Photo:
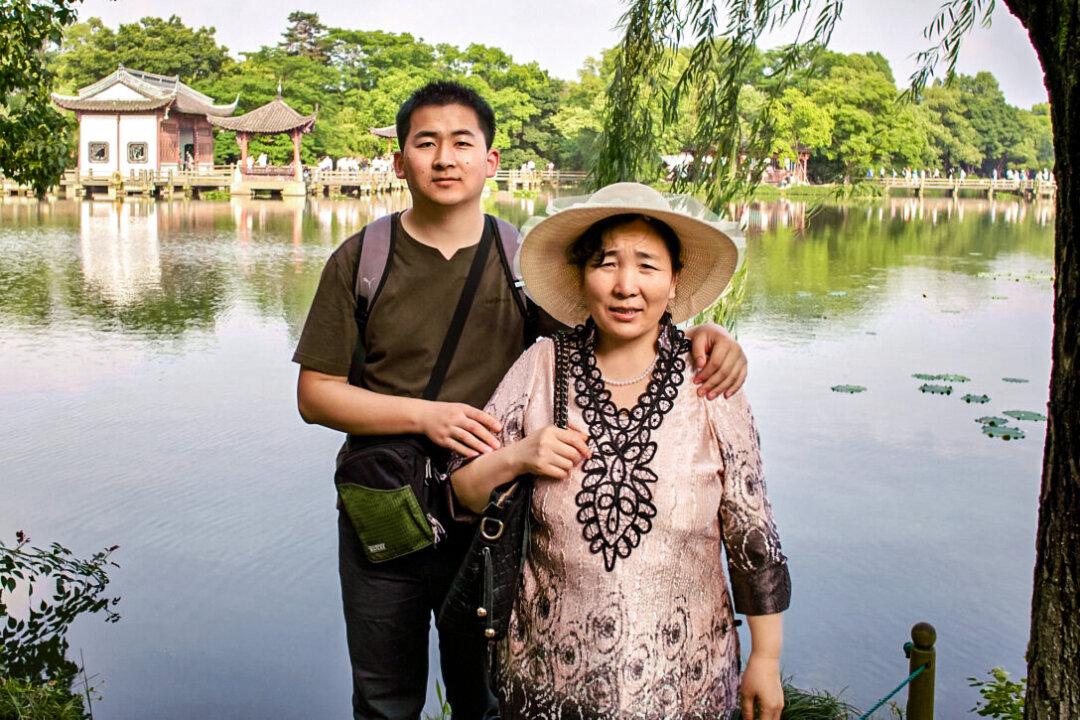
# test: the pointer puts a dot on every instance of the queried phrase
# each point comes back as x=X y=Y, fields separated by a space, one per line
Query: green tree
x=870 y=126
x=954 y=139
x=653 y=26
x=306 y=36
x=33 y=135
x=91 y=51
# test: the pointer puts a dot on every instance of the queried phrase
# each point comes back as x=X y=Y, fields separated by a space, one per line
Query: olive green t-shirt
x=408 y=322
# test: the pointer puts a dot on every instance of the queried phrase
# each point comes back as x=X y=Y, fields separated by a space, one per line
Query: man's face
x=445 y=159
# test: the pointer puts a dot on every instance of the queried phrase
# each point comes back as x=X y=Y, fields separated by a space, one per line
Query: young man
x=445 y=132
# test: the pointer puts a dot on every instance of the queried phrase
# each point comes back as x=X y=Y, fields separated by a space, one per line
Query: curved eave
x=68 y=102
x=257 y=126
x=389 y=132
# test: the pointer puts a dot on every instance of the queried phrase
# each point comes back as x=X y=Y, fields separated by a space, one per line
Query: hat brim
x=709 y=256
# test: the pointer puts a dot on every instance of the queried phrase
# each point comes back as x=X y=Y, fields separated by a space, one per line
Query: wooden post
x=920 y=702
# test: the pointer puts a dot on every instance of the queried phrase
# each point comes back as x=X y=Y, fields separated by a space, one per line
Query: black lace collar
x=615 y=504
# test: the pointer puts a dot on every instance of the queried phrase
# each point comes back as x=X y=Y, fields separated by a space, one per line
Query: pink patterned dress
x=624 y=609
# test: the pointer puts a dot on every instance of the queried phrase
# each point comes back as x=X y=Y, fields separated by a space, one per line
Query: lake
x=148 y=400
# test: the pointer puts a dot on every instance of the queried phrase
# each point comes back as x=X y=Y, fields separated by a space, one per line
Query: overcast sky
x=560 y=34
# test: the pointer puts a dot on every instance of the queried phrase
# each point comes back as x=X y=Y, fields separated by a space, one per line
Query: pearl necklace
x=633 y=380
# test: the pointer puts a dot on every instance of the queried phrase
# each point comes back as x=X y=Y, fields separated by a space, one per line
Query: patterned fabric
x=624 y=609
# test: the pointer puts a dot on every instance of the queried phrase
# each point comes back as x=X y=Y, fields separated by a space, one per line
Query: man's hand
x=551 y=452
x=459 y=427
x=761 y=686
x=718 y=360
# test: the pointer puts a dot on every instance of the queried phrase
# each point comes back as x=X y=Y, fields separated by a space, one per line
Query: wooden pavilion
x=273 y=118
x=388 y=133
x=131 y=120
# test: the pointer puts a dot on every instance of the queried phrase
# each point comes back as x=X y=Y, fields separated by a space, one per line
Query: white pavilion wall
x=98 y=128
x=138 y=128
x=119 y=91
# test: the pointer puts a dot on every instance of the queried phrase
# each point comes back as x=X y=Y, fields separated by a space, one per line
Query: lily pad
x=1025 y=415
x=977 y=399
x=838 y=293
x=852 y=389
x=999 y=297
x=992 y=421
x=936 y=389
x=1003 y=431
x=943 y=377
x=1015 y=380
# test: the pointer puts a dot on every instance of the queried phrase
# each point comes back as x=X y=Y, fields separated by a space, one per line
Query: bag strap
x=457 y=323
x=373 y=265
x=562 y=372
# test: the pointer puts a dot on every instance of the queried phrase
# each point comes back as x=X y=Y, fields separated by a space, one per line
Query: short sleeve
x=328 y=339
x=528 y=381
x=760 y=582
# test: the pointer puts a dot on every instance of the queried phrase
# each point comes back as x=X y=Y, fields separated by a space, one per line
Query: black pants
x=388 y=609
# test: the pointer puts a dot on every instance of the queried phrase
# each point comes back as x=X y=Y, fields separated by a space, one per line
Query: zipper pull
x=437 y=528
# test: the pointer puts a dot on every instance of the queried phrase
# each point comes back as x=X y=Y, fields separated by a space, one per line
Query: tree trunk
x=1054 y=648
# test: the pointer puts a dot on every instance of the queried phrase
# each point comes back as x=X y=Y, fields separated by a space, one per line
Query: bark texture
x=1054 y=647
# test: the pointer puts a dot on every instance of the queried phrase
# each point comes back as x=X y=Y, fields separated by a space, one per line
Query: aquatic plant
x=993 y=421
x=943 y=377
x=1014 y=380
x=851 y=389
x=1004 y=432
x=1025 y=415
x=977 y=399
x=936 y=389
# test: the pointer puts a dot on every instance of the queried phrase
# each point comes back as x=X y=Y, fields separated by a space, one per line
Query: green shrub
x=34 y=648
x=1002 y=698
x=21 y=700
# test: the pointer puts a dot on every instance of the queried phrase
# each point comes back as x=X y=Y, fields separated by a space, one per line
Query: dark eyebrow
x=432 y=134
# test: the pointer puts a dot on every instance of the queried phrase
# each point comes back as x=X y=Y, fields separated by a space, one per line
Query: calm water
x=147 y=399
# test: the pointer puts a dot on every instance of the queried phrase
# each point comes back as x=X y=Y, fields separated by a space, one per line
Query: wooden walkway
x=1029 y=189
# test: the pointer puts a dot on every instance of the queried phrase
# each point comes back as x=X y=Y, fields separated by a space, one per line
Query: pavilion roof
x=155 y=91
x=274 y=117
x=390 y=131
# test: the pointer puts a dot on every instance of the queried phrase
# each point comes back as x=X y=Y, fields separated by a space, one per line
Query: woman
x=624 y=610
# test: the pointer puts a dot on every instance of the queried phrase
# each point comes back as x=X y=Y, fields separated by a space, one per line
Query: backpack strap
x=376 y=246
x=509 y=244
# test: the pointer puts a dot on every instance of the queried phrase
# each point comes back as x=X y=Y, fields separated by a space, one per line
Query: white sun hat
x=710 y=248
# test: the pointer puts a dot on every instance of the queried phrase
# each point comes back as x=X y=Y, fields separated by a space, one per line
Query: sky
x=560 y=34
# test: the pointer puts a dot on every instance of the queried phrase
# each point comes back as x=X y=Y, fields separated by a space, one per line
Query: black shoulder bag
x=386 y=483
x=482 y=595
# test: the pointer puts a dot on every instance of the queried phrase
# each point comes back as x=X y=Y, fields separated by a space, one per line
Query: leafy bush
x=34 y=649
x=1002 y=698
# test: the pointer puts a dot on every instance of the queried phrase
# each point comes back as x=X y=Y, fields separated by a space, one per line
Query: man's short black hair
x=438 y=94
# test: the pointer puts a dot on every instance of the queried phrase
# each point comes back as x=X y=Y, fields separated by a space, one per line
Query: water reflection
x=118 y=249
x=164 y=268
x=765 y=216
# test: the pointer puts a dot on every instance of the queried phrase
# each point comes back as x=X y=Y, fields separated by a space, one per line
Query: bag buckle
x=488 y=534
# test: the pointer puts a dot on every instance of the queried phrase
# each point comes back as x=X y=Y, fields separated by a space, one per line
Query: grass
x=20 y=700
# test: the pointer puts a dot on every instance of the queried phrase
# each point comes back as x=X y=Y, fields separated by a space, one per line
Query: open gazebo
x=273 y=118
x=388 y=133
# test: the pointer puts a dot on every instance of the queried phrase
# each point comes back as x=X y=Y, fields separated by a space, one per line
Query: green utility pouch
x=390 y=523
x=388 y=489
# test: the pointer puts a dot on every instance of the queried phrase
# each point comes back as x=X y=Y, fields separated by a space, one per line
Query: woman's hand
x=761 y=686
x=551 y=452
